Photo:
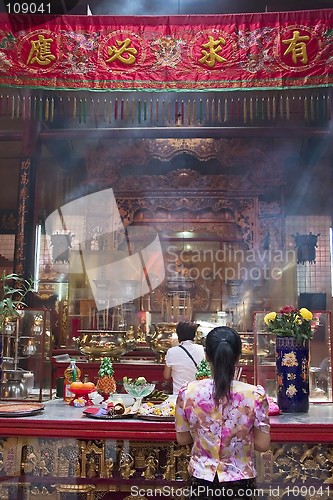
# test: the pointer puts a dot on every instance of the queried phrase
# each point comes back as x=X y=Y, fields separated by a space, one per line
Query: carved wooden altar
x=61 y=455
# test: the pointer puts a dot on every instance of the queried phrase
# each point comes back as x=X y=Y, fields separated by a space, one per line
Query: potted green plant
x=293 y=330
x=13 y=293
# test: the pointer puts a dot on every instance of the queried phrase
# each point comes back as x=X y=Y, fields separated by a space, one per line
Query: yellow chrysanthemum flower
x=290 y=322
x=306 y=314
x=269 y=317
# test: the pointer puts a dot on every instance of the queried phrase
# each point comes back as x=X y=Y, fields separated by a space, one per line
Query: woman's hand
x=262 y=440
x=184 y=438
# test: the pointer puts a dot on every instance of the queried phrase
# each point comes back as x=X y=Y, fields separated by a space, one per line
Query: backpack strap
x=189 y=355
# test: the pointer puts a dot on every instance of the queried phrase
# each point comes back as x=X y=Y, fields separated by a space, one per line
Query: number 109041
x=28 y=8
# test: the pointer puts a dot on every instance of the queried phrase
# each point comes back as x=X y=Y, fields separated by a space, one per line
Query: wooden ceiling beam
x=172 y=132
x=184 y=132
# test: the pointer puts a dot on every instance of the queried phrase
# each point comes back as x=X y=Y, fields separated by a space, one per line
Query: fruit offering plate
x=156 y=397
x=138 y=388
x=20 y=409
x=103 y=414
x=161 y=412
x=157 y=418
x=81 y=395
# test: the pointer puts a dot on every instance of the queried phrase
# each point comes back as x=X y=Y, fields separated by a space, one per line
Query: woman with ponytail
x=226 y=420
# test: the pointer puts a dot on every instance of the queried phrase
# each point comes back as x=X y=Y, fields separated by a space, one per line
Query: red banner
x=223 y=52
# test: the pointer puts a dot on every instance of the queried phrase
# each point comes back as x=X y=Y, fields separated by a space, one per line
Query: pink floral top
x=223 y=441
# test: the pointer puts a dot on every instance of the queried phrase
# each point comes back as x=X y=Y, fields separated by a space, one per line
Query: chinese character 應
x=41 y=51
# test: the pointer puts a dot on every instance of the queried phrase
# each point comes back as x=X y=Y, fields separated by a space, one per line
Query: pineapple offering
x=106 y=383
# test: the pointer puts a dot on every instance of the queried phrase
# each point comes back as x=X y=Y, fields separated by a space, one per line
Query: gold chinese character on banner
x=210 y=56
x=297 y=47
x=40 y=52
x=124 y=49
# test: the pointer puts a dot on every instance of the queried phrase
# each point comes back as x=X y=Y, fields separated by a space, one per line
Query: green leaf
x=13 y=290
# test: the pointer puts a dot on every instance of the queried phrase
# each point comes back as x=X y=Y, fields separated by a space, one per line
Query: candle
x=107 y=317
x=139 y=111
x=126 y=109
x=122 y=109
x=116 y=109
x=148 y=321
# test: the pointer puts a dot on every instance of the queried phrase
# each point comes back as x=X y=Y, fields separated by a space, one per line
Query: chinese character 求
x=210 y=56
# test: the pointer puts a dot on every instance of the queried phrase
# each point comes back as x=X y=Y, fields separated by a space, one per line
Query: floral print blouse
x=223 y=443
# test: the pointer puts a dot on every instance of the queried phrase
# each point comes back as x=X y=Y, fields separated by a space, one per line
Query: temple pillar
x=24 y=248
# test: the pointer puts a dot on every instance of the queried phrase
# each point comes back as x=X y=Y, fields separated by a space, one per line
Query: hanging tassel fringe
x=311 y=109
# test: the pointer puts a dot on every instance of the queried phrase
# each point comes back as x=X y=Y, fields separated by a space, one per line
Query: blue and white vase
x=292 y=375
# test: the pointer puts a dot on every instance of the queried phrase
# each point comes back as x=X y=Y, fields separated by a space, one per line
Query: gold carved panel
x=53 y=468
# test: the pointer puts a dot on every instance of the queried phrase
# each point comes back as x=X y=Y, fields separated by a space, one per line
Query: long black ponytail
x=223 y=349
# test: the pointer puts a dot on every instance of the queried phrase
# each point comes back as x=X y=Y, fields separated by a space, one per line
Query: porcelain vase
x=292 y=374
